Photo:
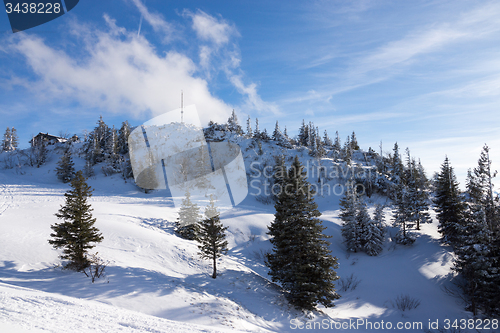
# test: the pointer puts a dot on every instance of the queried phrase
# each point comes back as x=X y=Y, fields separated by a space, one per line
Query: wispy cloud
x=216 y=35
x=157 y=22
x=211 y=29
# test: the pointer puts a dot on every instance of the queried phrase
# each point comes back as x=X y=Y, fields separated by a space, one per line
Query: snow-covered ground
x=157 y=283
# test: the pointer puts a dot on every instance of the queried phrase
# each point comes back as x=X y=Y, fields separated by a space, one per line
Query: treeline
x=469 y=222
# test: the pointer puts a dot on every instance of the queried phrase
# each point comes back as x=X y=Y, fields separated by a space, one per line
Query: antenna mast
x=182 y=106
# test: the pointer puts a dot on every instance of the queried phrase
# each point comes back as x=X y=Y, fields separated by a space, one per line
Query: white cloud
x=155 y=20
x=254 y=101
x=121 y=73
x=210 y=29
x=217 y=34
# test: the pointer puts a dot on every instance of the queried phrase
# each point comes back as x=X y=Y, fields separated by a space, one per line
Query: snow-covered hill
x=156 y=282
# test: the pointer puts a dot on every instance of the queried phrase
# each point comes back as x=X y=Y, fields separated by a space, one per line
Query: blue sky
x=423 y=73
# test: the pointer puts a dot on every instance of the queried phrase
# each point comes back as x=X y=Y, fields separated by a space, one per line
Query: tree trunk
x=214 y=274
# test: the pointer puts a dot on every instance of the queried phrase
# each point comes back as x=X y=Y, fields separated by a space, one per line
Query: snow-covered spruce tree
x=123 y=134
x=371 y=233
x=449 y=205
x=65 y=167
x=189 y=216
x=77 y=231
x=249 y=133
x=301 y=260
x=326 y=140
x=337 y=146
x=282 y=140
x=211 y=236
x=484 y=176
x=14 y=139
x=256 y=133
x=479 y=256
x=112 y=154
x=417 y=196
x=233 y=125
x=277 y=132
x=403 y=216
x=6 y=142
x=303 y=136
x=348 y=212
x=472 y=257
x=354 y=142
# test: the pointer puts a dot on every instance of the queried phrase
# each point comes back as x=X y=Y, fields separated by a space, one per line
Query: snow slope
x=156 y=282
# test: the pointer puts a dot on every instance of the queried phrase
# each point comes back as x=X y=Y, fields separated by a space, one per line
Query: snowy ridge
x=156 y=282
x=27 y=310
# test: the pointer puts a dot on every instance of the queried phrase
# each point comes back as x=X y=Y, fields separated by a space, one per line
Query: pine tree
x=348 y=212
x=354 y=142
x=256 y=134
x=277 y=133
x=189 y=218
x=303 y=136
x=337 y=146
x=123 y=134
x=249 y=128
x=301 y=260
x=65 y=167
x=449 y=205
x=212 y=236
x=233 y=125
x=14 y=139
x=403 y=216
x=416 y=196
x=76 y=233
x=479 y=256
x=6 y=142
x=326 y=140
x=371 y=233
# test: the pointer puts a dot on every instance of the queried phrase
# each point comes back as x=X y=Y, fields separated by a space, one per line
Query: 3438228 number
x=33 y=8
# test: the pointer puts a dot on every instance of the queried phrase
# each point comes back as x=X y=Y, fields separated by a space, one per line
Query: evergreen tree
x=249 y=128
x=354 y=142
x=76 y=233
x=233 y=125
x=403 y=214
x=65 y=167
x=348 y=213
x=371 y=233
x=449 y=205
x=303 y=136
x=484 y=176
x=416 y=196
x=6 y=142
x=256 y=134
x=326 y=140
x=212 y=236
x=123 y=134
x=189 y=218
x=277 y=133
x=479 y=256
x=301 y=260
x=337 y=146
x=14 y=139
